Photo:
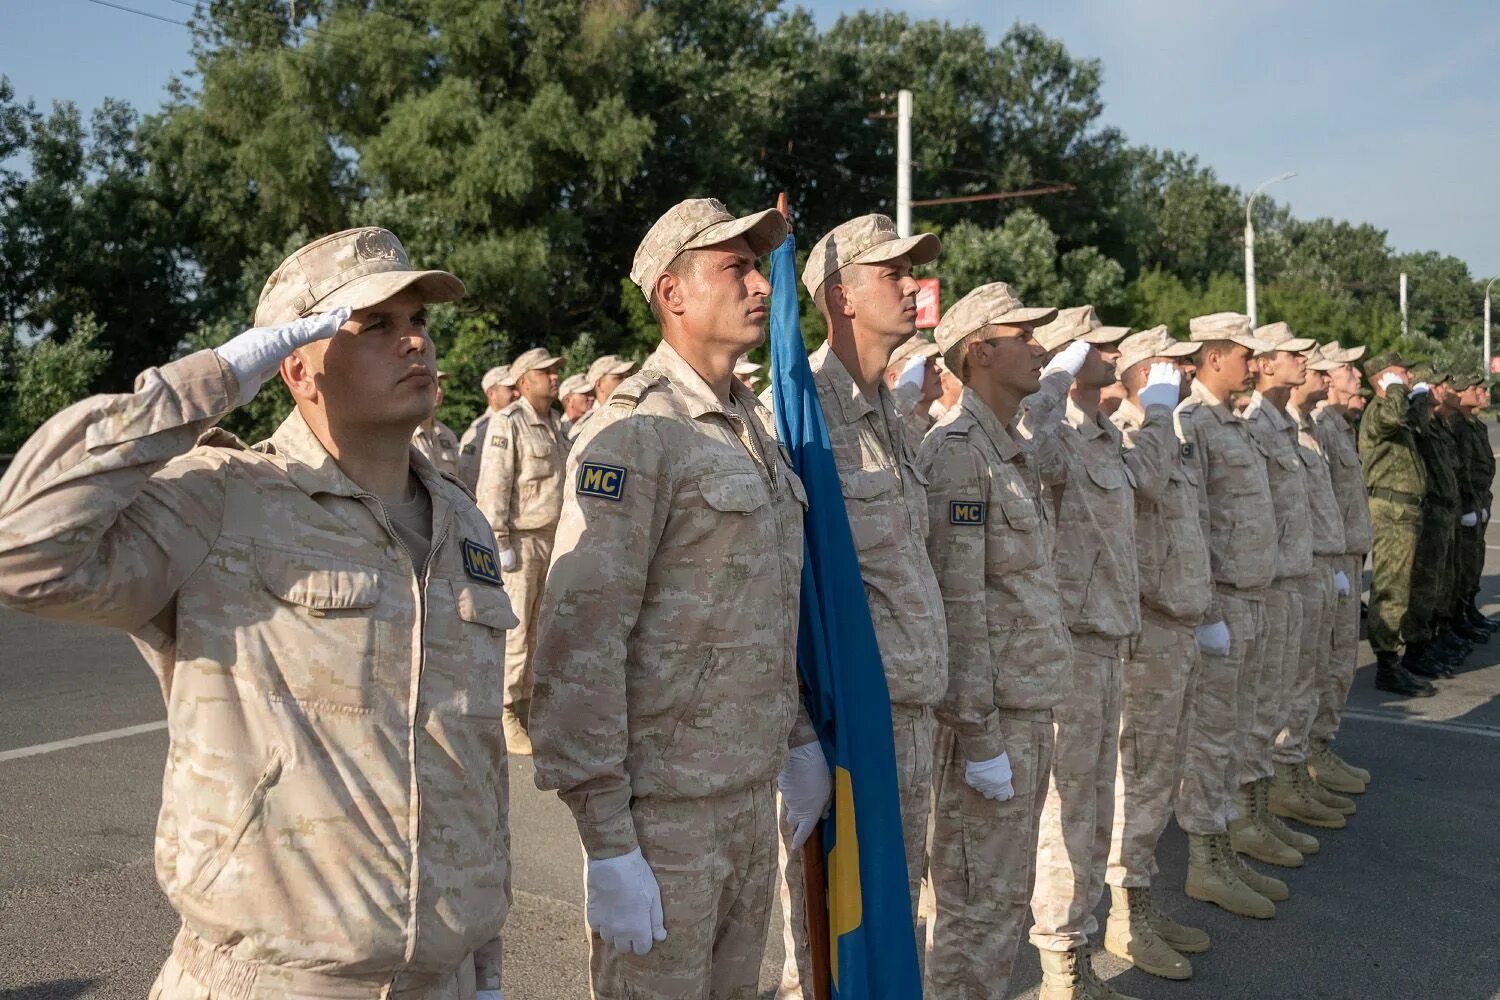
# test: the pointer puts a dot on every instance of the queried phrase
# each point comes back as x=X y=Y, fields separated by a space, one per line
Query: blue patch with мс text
x=480 y=562
x=597 y=480
x=966 y=512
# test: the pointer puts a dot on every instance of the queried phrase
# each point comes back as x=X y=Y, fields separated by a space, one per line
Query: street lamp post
x=1484 y=362
x=1250 y=243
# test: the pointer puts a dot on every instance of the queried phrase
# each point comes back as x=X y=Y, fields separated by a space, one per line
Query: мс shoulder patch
x=595 y=479
x=480 y=562
x=966 y=512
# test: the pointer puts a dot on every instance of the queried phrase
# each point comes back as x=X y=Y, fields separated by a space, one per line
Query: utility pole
x=903 y=162
x=1403 y=305
x=1484 y=364
x=1250 y=244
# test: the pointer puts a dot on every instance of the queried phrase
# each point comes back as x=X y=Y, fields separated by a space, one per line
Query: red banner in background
x=928 y=308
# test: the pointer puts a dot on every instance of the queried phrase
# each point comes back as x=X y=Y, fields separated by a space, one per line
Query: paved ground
x=1400 y=904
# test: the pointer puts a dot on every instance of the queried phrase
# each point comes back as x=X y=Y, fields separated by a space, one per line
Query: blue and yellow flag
x=873 y=951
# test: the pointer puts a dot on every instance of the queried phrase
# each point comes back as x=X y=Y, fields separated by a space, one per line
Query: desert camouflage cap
x=575 y=385
x=533 y=360
x=609 y=364
x=1318 y=361
x=697 y=223
x=495 y=376
x=1281 y=338
x=1231 y=326
x=910 y=348
x=1382 y=361
x=1156 y=342
x=1079 y=323
x=357 y=268
x=1340 y=355
x=988 y=305
x=869 y=239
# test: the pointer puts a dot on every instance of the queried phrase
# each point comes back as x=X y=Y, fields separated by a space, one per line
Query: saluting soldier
x=1009 y=652
x=1473 y=492
x=1480 y=468
x=520 y=491
x=859 y=276
x=325 y=616
x=1428 y=652
x=1397 y=481
x=667 y=693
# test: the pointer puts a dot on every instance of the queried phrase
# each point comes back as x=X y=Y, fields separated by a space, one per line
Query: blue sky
x=1388 y=111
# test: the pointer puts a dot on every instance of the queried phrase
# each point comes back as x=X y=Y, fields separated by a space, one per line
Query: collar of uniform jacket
x=1128 y=414
x=998 y=434
x=852 y=402
x=314 y=471
x=532 y=417
x=1216 y=405
x=700 y=399
x=1278 y=419
x=1088 y=426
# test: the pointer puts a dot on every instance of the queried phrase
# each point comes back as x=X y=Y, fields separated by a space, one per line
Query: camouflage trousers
x=1221 y=707
x=524 y=588
x=1283 y=646
x=1395 y=527
x=1468 y=561
x=1078 y=814
x=715 y=861
x=1343 y=659
x=196 y=970
x=1154 y=723
x=1431 y=574
x=983 y=862
x=1300 y=687
x=915 y=730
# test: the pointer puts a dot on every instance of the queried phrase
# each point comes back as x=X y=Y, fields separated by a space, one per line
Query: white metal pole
x=1485 y=361
x=1404 y=329
x=903 y=162
x=1250 y=243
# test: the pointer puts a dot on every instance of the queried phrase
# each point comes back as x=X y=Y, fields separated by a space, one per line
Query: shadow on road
x=57 y=989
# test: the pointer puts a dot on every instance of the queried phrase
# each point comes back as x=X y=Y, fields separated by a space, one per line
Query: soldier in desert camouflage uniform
x=325 y=616
x=666 y=686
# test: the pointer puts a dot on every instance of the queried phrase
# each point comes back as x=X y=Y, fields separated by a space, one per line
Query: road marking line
x=78 y=741
x=1469 y=728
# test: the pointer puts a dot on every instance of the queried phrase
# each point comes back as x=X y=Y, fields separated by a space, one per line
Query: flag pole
x=814 y=871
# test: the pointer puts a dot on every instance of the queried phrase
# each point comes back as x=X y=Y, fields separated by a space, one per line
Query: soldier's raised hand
x=1069 y=359
x=255 y=355
x=1163 y=386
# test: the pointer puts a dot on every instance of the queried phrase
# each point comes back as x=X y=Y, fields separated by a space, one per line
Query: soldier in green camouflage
x=1430 y=650
x=1479 y=466
x=1397 y=482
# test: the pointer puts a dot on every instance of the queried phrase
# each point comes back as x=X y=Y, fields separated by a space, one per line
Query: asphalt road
x=1401 y=904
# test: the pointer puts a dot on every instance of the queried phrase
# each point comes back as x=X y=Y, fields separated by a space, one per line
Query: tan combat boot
x=1289 y=799
x=1069 y=975
x=1188 y=940
x=1211 y=880
x=516 y=740
x=1304 y=842
x=1339 y=804
x=1131 y=935
x=1332 y=773
x=1250 y=836
x=1272 y=888
x=1358 y=773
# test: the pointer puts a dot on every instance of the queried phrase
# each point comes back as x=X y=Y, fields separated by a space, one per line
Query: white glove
x=1389 y=379
x=1469 y=520
x=991 y=778
x=1420 y=388
x=1213 y=638
x=508 y=560
x=488 y=995
x=1069 y=359
x=914 y=374
x=1341 y=583
x=623 y=902
x=805 y=787
x=255 y=355
x=1163 y=386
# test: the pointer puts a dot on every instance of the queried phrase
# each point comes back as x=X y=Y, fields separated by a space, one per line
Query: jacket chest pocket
x=1106 y=478
x=872 y=498
x=482 y=614
x=1241 y=476
x=1016 y=539
x=1289 y=461
x=540 y=457
x=319 y=641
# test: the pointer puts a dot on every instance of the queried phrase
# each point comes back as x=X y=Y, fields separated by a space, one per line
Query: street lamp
x=1250 y=243
x=1484 y=362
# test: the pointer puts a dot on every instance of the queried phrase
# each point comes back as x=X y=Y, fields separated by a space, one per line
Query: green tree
x=38 y=379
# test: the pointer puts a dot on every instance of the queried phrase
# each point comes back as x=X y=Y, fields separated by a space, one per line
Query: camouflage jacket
x=1387 y=446
x=991 y=545
x=1338 y=441
x=520 y=470
x=1327 y=517
x=1439 y=451
x=666 y=654
x=1480 y=464
x=335 y=794
x=439 y=446
x=1276 y=436
x=470 y=447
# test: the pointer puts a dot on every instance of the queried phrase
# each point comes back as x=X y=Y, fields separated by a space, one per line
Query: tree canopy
x=527 y=147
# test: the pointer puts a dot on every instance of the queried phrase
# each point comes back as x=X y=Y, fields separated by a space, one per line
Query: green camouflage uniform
x=1478 y=467
x=1397 y=482
x=1431 y=578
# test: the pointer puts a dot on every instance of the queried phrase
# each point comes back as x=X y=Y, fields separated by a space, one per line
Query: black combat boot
x=1391 y=676
x=1418 y=660
x=1469 y=632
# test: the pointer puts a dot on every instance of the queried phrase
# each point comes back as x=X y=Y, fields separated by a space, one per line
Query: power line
x=141 y=13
